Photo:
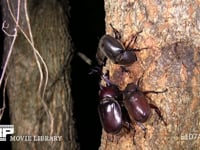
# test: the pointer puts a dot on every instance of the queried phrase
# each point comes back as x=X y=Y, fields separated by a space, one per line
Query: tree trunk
x=34 y=110
x=170 y=32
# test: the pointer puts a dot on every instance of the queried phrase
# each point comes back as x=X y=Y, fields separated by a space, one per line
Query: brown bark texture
x=170 y=32
x=32 y=114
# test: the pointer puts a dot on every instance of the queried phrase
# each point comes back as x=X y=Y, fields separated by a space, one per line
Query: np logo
x=5 y=130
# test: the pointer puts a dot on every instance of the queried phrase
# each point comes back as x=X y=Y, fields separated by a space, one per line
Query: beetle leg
x=155 y=92
x=139 y=81
x=95 y=70
x=126 y=125
x=134 y=131
x=157 y=110
x=116 y=32
x=130 y=127
x=136 y=49
x=133 y=39
x=110 y=137
x=106 y=78
x=143 y=128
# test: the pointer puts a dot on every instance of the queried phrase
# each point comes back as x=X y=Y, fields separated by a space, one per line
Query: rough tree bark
x=170 y=31
x=31 y=114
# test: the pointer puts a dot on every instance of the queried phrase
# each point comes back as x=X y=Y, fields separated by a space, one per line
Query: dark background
x=86 y=26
